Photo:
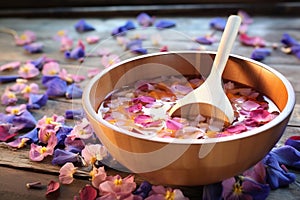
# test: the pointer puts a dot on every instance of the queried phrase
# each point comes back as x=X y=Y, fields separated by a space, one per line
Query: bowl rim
x=288 y=109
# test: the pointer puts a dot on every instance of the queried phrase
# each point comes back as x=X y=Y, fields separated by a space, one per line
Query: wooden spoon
x=210 y=98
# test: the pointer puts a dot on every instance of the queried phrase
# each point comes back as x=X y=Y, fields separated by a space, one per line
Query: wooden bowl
x=191 y=161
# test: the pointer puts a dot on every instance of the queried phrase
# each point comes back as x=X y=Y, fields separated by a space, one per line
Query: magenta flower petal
x=173 y=124
x=235 y=129
x=161 y=24
x=144 y=99
x=5 y=133
x=143 y=119
x=83 y=26
x=73 y=91
x=34 y=47
x=254 y=41
x=135 y=108
x=36 y=101
x=217 y=23
x=50 y=69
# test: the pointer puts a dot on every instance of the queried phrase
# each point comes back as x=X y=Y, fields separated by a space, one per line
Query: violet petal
x=287 y=155
x=83 y=26
x=260 y=54
x=161 y=24
x=36 y=101
x=56 y=88
x=31 y=135
x=8 y=78
x=60 y=157
x=294 y=141
x=36 y=47
x=217 y=23
x=73 y=91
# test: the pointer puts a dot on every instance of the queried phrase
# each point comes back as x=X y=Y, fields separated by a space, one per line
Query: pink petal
x=173 y=125
x=66 y=173
x=52 y=187
x=9 y=66
x=250 y=105
x=92 y=39
x=235 y=129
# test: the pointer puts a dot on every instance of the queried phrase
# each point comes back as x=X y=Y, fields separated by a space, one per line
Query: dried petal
x=88 y=192
x=83 y=26
x=52 y=186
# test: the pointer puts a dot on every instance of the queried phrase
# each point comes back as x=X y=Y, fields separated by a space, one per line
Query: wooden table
x=15 y=167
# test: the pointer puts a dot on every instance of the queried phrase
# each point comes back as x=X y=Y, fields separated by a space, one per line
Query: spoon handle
x=226 y=43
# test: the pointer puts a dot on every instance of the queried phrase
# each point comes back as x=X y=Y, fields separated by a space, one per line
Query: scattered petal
x=73 y=91
x=28 y=71
x=8 y=78
x=293 y=141
x=83 y=26
x=121 y=30
x=66 y=173
x=254 y=41
x=52 y=186
x=60 y=157
x=88 y=192
x=92 y=39
x=144 y=19
x=260 y=54
x=51 y=69
x=36 y=47
x=36 y=101
x=161 y=24
x=93 y=152
x=10 y=66
x=217 y=23
x=27 y=37
x=110 y=60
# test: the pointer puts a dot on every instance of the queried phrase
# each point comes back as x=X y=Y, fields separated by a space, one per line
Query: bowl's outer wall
x=186 y=164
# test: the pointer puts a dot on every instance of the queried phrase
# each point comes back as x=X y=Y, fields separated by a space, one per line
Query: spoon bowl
x=209 y=99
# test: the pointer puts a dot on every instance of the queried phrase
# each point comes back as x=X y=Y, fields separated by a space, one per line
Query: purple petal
x=46 y=80
x=212 y=191
x=161 y=24
x=217 y=23
x=74 y=114
x=287 y=155
x=60 y=157
x=246 y=19
x=276 y=175
x=73 y=92
x=289 y=40
x=36 y=101
x=62 y=134
x=36 y=47
x=204 y=40
x=18 y=143
x=25 y=121
x=83 y=26
x=135 y=46
x=76 y=53
x=56 y=87
x=121 y=30
x=39 y=63
x=143 y=190
x=260 y=54
x=8 y=78
x=144 y=19
x=31 y=135
x=294 y=141
x=255 y=189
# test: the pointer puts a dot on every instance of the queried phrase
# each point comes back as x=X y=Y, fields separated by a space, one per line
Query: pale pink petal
x=66 y=173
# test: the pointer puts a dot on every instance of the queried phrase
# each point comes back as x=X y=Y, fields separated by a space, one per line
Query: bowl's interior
x=238 y=69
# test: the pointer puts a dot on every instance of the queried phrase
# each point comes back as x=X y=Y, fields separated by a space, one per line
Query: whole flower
x=28 y=71
x=38 y=153
x=26 y=37
x=116 y=187
x=93 y=152
x=8 y=98
x=161 y=193
x=82 y=130
x=98 y=176
x=51 y=69
x=32 y=88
